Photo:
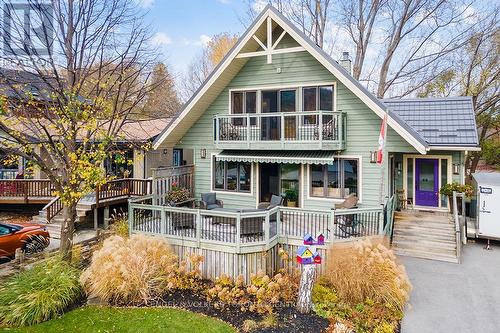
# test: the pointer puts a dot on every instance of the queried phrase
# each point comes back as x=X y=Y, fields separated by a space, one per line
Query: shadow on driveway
x=455 y=298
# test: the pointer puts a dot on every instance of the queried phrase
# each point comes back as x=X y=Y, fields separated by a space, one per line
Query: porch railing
x=26 y=188
x=123 y=187
x=250 y=231
x=285 y=128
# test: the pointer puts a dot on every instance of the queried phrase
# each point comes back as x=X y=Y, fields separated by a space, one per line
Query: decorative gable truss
x=270 y=47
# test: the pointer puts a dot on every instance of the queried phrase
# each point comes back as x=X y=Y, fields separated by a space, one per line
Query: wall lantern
x=456 y=169
x=203 y=153
x=373 y=157
x=165 y=151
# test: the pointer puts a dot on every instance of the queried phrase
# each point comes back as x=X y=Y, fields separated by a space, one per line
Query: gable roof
x=443 y=122
x=230 y=65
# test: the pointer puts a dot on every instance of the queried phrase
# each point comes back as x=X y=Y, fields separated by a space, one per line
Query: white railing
x=326 y=127
x=250 y=230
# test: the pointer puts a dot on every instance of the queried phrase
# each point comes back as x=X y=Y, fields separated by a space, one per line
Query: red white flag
x=381 y=140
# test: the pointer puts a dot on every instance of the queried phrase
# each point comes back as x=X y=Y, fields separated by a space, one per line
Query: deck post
x=96 y=218
x=130 y=216
x=381 y=220
x=198 y=228
x=320 y=130
x=282 y=130
x=266 y=229
x=278 y=223
x=163 y=221
x=248 y=130
x=238 y=233
x=106 y=217
x=331 y=224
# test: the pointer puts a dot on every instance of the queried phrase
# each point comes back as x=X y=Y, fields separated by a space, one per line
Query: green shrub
x=39 y=294
x=448 y=189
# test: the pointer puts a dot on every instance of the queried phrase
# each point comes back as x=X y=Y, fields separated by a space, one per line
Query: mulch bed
x=289 y=320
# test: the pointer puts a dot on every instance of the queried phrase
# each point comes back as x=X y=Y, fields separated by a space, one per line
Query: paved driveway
x=455 y=298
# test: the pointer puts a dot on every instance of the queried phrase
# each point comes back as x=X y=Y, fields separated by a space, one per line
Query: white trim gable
x=267 y=16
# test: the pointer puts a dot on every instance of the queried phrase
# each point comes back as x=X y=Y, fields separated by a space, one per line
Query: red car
x=30 y=237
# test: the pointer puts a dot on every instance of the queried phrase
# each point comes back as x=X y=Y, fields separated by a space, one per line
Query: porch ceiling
x=270 y=156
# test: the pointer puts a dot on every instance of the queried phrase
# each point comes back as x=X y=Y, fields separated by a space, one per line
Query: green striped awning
x=278 y=156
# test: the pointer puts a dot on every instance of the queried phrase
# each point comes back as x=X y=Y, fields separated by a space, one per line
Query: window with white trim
x=318 y=98
x=243 y=102
x=232 y=176
x=336 y=180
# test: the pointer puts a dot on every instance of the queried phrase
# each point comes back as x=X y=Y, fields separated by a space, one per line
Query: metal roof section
x=439 y=121
x=278 y=156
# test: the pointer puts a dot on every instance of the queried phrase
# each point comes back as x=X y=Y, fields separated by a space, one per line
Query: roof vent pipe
x=346 y=62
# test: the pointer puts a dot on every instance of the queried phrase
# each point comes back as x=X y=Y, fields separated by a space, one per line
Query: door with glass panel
x=427 y=182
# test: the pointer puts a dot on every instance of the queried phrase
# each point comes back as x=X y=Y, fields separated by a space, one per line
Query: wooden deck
x=26 y=191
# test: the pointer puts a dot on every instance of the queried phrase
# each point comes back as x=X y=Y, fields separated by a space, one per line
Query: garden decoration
x=308 y=257
x=177 y=194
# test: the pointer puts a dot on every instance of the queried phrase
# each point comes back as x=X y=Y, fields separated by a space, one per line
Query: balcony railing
x=281 y=130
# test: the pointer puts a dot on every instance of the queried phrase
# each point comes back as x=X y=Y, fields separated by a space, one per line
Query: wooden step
x=427 y=255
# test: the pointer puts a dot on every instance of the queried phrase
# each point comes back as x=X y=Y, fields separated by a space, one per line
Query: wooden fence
x=164 y=179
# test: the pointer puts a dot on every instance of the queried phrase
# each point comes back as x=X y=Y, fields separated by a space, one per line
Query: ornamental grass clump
x=132 y=270
x=40 y=293
x=363 y=288
x=367 y=270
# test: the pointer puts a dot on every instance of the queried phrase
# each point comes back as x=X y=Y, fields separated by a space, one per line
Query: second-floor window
x=244 y=102
x=316 y=99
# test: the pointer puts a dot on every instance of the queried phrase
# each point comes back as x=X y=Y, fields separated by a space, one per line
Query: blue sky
x=182 y=27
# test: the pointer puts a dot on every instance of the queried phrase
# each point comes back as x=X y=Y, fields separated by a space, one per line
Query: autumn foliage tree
x=62 y=109
x=203 y=64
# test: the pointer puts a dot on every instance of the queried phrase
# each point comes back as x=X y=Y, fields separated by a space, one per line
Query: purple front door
x=426 y=182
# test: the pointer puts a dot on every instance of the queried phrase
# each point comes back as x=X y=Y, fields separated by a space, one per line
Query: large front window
x=317 y=99
x=232 y=176
x=244 y=102
x=336 y=180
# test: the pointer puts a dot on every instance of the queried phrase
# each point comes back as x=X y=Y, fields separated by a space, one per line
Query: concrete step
x=426 y=234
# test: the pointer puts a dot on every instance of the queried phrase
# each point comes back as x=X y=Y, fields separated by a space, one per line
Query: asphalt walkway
x=455 y=298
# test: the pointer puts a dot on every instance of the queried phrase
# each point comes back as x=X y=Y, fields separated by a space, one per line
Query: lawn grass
x=134 y=320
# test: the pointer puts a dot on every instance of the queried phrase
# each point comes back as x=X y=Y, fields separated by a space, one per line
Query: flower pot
x=291 y=203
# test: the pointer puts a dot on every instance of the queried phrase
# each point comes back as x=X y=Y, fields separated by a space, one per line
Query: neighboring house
x=131 y=157
x=278 y=114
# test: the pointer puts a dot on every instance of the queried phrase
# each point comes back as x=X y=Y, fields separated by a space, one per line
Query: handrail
x=53 y=208
x=277 y=114
x=27 y=188
x=458 y=223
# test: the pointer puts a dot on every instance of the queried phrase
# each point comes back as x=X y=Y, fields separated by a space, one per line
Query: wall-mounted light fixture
x=373 y=157
x=398 y=168
x=203 y=153
x=165 y=151
x=456 y=168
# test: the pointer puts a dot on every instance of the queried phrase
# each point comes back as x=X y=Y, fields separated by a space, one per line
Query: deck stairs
x=54 y=227
x=425 y=234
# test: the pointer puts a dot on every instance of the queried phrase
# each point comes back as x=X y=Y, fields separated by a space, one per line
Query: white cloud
x=259 y=5
x=204 y=39
x=145 y=3
x=160 y=38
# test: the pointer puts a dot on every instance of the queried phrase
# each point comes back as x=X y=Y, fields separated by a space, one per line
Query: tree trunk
x=67 y=230
x=304 y=300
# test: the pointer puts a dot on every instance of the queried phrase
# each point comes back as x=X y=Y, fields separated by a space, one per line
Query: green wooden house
x=280 y=114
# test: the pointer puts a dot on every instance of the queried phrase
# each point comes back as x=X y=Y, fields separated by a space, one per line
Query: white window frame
x=336 y=200
x=213 y=189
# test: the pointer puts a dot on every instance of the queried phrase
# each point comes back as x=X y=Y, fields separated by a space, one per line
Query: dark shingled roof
x=439 y=121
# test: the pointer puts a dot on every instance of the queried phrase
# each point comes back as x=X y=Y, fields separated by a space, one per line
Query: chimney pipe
x=346 y=62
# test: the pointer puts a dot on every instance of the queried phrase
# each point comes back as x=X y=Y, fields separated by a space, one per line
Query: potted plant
x=448 y=189
x=177 y=194
x=291 y=197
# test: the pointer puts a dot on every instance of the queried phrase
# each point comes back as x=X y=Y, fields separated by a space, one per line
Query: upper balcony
x=281 y=130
